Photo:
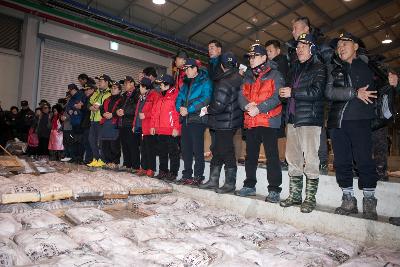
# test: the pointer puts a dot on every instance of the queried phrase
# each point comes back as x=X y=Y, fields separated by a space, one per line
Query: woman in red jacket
x=165 y=123
x=142 y=122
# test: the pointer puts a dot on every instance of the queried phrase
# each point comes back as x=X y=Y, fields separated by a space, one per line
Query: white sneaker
x=65 y=159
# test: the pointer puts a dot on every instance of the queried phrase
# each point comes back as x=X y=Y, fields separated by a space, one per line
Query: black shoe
x=349 y=205
x=394 y=220
x=323 y=169
x=161 y=175
x=284 y=165
x=369 y=208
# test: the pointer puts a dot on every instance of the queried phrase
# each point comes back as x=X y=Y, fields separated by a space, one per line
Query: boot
x=394 y=220
x=369 y=208
x=230 y=181
x=213 y=181
x=295 y=191
x=309 y=202
x=349 y=205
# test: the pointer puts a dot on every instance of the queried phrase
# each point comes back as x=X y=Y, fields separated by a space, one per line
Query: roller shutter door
x=62 y=63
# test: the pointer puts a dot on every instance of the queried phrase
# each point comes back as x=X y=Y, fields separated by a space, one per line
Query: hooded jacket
x=224 y=110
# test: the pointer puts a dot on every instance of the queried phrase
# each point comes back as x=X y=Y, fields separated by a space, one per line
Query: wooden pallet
x=11 y=163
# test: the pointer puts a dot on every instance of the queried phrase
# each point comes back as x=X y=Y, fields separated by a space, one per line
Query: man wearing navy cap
x=193 y=96
x=305 y=117
x=225 y=117
x=351 y=90
x=262 y=118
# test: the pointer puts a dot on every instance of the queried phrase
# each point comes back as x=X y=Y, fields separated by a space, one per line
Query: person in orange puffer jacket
x=165 y=124
x=142 y=122
x=262 y=120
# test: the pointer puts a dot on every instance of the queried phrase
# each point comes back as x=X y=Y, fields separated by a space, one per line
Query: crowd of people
x=318 y=89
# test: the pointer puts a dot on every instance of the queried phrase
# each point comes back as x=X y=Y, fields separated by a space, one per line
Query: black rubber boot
x=213 y=181
x=230 y=181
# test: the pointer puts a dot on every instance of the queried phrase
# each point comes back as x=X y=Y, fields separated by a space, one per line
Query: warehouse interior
x=64 y=214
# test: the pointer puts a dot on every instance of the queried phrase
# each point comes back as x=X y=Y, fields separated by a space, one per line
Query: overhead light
x=114 y=45
x=347 y=0
x=159 y=2
x=387 y=39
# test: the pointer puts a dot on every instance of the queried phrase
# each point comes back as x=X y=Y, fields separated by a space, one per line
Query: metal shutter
x=10 y=32
x=62 y=63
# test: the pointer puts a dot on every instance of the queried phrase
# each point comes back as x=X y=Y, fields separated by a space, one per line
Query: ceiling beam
x=365 y=9
x=275 y=19
x=383 y=48
x=120 y=13
x=208 y=16
x=391 y=59
x=319 y=11
x=382 y=27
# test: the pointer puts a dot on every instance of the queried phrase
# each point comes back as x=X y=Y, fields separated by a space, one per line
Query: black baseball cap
x=345 y=36
x=256 y=50
x=146 y=82
x=127 y=78
x=165 y=78
x=305 y=38
x=103 y=77
x=72 y=86
x=228 y=59
x=182 y=54
x=24 y=103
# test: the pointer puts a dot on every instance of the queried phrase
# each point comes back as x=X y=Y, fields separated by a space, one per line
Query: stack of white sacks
x=182 y=232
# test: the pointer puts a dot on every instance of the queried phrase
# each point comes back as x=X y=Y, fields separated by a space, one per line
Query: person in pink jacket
x=165 y=124
x=56 y=146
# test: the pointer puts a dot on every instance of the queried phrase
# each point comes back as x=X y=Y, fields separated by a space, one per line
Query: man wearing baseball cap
x=225 y=117
x=351 y=90
x=96 y=101
x=305 y=118
x=193 y=96
x=262 y=118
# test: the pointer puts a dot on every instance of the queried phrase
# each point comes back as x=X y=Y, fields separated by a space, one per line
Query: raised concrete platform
x=362 y=231
x=329 y=194
x=323 y=218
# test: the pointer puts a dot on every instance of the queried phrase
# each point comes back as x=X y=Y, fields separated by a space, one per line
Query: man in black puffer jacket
x=225 y=117
x=305 y=117
x=130 y=142
x=351 y=90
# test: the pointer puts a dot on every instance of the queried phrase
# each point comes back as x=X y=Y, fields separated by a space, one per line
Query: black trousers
x=380 y=148
x=323 y=148
x=148 y=152
x=354 y=142
x=77 y=148
x=223 y=149
x=86 y=145
x=130 y=143
x=43 y=146
x=192 y=142
x=269 y=138
x=111 y=150
x=168 y=148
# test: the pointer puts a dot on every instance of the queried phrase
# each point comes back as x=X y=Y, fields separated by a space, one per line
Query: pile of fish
x=181 y=232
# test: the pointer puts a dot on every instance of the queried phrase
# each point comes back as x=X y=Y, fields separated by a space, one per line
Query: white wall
x=9 y=76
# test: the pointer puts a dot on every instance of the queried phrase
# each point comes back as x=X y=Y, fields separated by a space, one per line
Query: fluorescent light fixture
x=387 y=39
x=114 y=45
x=159 y=2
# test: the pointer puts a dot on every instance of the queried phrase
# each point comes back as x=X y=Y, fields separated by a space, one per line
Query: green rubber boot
x=311 y=190
x=295 y=190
